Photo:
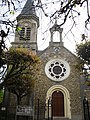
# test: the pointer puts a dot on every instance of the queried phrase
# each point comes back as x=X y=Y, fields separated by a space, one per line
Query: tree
x=1 y=96
x=83 y=52
x=22 y=66
x=2 y=48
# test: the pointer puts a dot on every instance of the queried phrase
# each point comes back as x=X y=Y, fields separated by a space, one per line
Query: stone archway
x=64 y=93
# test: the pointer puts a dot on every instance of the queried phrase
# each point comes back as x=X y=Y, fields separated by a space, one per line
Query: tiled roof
x=28 y=9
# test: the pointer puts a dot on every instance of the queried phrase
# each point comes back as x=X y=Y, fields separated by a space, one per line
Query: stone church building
x=58 y=93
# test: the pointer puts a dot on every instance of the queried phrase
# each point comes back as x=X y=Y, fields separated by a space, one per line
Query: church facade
x=57 y=93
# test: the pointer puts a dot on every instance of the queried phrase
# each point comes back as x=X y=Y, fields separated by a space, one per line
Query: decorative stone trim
x=57 y=69
x=65 y=92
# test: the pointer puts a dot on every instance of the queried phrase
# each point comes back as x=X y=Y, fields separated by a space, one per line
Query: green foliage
x=83 y=51
x=18 y=28
x=12 y=12
x=1 y=95
x=22 y=68
x=87 y=83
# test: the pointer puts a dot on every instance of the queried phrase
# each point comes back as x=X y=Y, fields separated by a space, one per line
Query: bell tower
x=53 y=29
x=27 y=25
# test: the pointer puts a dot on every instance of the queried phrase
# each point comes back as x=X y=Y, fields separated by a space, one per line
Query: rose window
x=57 y=69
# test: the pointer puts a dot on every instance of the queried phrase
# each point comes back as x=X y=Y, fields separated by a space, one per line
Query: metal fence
x=86 y=109
x=38 y=113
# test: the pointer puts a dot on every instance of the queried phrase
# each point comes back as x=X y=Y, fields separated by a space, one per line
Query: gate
x=86 y=109
x=55 y=107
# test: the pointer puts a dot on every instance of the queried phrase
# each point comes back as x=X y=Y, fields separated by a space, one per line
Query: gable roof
x=40 y=53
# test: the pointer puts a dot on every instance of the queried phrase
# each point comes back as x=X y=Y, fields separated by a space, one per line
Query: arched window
x=22 y=33
x=28 y=32
x=56 y=36
x=25 y=33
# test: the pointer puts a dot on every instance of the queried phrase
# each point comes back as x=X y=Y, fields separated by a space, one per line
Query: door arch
x=57 y=104
x=66 y=97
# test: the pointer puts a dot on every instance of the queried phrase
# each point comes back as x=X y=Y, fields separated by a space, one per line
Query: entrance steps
x=60 y=118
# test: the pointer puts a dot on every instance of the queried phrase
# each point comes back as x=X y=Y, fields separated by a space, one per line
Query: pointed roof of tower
x=28 y=11
x=29 y=8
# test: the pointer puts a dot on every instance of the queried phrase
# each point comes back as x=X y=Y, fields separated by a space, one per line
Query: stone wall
x=72 y=83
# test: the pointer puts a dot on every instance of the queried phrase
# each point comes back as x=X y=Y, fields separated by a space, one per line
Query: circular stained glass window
x=57 y=69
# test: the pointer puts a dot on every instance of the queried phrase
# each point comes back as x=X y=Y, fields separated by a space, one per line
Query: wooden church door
x=57 y=104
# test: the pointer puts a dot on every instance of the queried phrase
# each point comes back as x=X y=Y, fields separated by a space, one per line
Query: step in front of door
x=60 y=118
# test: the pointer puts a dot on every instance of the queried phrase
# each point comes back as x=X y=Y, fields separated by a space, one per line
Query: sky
x=71 y=34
